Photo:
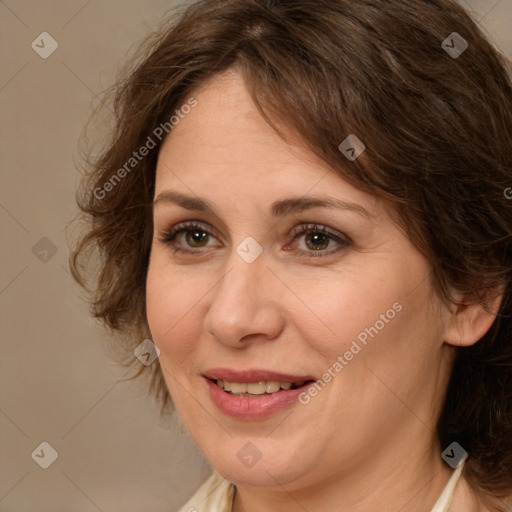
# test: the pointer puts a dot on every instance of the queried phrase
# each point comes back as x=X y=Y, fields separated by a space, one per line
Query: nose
x=244 y=306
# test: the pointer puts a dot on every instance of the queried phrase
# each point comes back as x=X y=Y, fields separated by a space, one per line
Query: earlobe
x=472 y=317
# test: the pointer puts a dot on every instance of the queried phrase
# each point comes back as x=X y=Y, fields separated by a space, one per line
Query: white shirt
x=217 y=494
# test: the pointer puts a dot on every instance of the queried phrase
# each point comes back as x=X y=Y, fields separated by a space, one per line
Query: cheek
x=354 y=306
x=371 y=318
x=172 y=307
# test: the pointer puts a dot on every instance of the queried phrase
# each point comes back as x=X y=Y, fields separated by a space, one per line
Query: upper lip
x=253 y=375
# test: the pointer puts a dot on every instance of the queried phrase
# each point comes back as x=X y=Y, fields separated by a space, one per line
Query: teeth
x=255 y=388
x=272 y=386
x=238 y=387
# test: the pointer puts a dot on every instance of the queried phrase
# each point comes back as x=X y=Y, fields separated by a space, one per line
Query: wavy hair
x=436 y=119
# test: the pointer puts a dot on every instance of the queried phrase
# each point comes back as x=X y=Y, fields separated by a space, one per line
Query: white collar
x=216 y=495
x=444 y=501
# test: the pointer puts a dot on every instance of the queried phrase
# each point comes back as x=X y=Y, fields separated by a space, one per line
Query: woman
x=303 y=207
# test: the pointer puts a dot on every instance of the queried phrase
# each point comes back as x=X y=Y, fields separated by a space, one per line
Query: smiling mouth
x=256 y=389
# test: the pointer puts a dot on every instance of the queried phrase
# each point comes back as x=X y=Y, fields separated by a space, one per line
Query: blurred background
x=73 y=436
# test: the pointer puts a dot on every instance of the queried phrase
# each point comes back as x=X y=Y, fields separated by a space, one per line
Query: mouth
x=255 y=389
x=254 y=394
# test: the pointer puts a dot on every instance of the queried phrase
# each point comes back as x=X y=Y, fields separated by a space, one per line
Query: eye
x=196 y=235
x=318 y=238
x=191 y=234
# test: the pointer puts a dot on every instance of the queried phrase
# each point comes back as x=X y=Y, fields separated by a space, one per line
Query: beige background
x=57 y=382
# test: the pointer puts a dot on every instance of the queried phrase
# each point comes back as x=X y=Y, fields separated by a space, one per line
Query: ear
x=472 y=316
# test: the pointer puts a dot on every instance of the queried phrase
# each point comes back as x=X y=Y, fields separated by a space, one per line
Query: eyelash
x=169 y=236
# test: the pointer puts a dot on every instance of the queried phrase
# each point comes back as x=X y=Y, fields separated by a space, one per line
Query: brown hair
x=437 y=132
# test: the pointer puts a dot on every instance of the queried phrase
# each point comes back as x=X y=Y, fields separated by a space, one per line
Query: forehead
x=225 y=129
x=223 y=147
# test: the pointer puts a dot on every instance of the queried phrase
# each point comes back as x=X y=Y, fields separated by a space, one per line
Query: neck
x=397 y=485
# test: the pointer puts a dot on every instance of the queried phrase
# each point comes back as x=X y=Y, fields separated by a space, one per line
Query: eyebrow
x=278 y=208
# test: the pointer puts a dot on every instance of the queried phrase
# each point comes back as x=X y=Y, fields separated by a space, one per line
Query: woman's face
x=266 y=286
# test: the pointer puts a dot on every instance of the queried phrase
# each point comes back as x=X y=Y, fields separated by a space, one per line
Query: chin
x=259 y=462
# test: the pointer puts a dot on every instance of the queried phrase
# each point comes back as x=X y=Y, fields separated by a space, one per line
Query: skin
x=367 y=440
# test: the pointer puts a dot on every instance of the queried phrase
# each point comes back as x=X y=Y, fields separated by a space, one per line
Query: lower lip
x=259 y=407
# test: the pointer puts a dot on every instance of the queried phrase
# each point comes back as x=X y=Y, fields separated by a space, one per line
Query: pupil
x=317 y=238
x=196 y=237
